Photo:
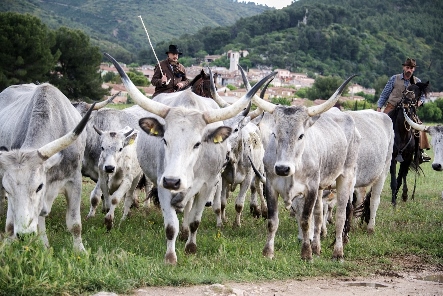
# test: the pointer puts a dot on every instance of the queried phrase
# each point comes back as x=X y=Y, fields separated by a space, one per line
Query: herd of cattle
x=193 y=151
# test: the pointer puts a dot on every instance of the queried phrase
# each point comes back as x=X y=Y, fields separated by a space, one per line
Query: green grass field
x=132 y=255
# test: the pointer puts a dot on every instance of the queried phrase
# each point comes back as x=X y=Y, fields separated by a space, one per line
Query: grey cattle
x=119 y=172
x=38 y=125
x=309 y=149
x=182 y=151
x=374 y=157
x=436 y=133
x=246 y=145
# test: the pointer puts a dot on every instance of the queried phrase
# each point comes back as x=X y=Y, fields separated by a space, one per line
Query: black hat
x=173 y=49
x=410 y=62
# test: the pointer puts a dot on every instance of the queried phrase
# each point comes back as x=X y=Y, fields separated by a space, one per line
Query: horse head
x=200 y=85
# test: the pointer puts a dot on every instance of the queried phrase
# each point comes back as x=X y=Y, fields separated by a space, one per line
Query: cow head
x=291 y=126
x=436 y=133
x=184 y=130
x=24 y=176
x=113 y=144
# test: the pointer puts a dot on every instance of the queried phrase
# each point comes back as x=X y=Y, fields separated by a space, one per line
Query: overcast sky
x=273 y=3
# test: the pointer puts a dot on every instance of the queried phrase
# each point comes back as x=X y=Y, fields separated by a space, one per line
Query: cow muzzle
x=171 y=183
x=282 y=170
x=109 y=169
x=437 y=166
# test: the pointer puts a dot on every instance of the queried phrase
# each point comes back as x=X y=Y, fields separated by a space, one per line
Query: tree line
x=33 y=53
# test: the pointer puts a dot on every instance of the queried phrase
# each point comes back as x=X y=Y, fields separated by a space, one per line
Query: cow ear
x=152 y=126
x=52 y=161
x=218 y=135
x=130 y=139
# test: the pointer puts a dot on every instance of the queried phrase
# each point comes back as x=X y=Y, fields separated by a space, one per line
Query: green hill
x=116 y=28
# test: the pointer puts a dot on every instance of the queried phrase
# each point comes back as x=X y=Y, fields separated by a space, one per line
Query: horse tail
x=363 y=210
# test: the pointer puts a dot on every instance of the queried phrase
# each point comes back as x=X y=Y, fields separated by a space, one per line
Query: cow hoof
x=371 y=231
x=171 y=258
x=108 y=222
x=183 y=235
x=191 y=248
x=268 y=252
x=306 y=251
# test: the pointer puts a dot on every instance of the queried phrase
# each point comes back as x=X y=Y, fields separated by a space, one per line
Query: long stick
x=150 y=43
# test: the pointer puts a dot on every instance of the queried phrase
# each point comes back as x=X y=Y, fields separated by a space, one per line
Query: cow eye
x=120 y=150
x=197 y=145
x=301 y=136
x=103 y=149
x=236 y=130
x=164 y=142
x=39 y=188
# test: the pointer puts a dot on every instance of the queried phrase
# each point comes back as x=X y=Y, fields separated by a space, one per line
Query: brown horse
x=201 y=84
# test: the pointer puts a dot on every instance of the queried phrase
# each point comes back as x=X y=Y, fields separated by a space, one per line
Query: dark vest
x=397 y=91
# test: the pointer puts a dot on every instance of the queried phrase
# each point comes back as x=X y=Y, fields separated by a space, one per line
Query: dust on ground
x=415 y=278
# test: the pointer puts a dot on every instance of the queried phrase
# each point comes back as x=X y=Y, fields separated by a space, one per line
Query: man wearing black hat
x=392 y=94
x=172 y=75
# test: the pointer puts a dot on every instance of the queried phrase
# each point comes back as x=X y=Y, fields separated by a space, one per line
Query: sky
x=273 y=3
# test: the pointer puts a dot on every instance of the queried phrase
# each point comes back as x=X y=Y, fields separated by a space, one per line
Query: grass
x=132 y=255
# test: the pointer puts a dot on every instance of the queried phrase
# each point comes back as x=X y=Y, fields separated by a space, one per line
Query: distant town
x=284 y=85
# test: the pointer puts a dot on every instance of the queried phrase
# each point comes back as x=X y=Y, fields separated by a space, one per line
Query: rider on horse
x=393 y=93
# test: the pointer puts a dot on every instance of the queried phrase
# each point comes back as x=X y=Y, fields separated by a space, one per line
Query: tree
x=76 y=73
x=324 y=87
x=25 y=54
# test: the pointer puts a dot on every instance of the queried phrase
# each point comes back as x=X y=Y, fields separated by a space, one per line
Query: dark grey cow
x=308 y=150
x=38 y=127
x=182 y=151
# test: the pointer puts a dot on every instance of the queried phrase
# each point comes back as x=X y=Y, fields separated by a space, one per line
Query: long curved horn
x=129 y=132
x=222 y=103
x=259 y=111
x=232 y=110
x=99 y=132
x=262 y=104
x=102 y=104
x=314 y=110
x=147 y=104
x=55 y=146
x=416 y=126
x=257 y=173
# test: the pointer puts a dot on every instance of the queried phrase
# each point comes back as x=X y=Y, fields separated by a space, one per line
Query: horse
x=200 y=85
x=406 y=147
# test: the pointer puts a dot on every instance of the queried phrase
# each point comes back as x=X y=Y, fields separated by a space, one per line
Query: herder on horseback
x=393 y=92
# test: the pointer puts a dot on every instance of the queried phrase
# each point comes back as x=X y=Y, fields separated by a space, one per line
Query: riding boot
x=423 y=157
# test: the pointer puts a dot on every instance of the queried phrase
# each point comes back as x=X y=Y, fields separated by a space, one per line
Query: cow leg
x=127 y=186
x=240 y=200
x=257 y=188
x=94 y=199
x=216 y=204
x=73 y=218
x=9 y=226
x=344 y=190
x=393 y=173
x=318 y=223
x=224 y=199
x=305 y=222
x=273 y=221
x=184 y=229
x=130 y=198
x=2 y=201
x=195 y=215
x=377 y=187
x=171 y=224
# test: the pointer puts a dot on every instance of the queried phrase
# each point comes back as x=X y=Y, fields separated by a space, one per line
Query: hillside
x=116 y=28
x=335 y=37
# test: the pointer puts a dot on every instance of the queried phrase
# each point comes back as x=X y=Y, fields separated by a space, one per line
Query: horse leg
x=402 y=173
x=394 y=189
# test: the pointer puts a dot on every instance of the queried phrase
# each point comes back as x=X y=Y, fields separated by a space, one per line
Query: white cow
x=309 y=149
x=39 y=126
x=182 y=151
x=119 y=172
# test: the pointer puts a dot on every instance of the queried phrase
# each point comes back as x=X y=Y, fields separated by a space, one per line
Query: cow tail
x=363 y=210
